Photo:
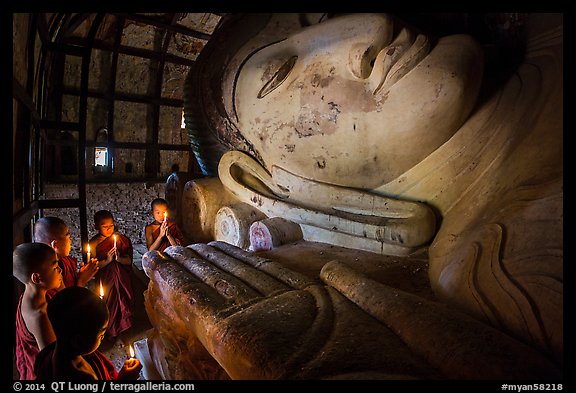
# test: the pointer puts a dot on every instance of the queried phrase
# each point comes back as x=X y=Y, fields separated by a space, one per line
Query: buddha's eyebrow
x=237 y=75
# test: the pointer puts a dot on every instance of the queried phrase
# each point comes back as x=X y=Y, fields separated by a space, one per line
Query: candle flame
x=88 y=248
x=131 y=351
x=101 y=290
x=165 y=214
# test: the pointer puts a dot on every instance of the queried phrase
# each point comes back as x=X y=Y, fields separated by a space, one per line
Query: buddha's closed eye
x=278 y=77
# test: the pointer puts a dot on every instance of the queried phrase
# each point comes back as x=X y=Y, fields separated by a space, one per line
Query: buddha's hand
x=456 y=344
x=261 y=320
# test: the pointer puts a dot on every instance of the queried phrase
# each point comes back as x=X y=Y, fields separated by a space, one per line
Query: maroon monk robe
x=26 y=346
x=117 y=282
x=102 y=366
x=173 y=230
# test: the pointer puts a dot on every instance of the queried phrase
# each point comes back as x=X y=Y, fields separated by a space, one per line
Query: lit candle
x=165 y=213
x=101 y=290
x=88 y=253
x=114 y=240
x=131 y=352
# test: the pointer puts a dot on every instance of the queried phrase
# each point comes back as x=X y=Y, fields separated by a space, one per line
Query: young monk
x=79 y=319
x=36 y=266
x=54 y=232
x=114 y=253
x=162 y=232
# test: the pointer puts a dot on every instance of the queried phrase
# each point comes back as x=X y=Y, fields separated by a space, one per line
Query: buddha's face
x=355 y=100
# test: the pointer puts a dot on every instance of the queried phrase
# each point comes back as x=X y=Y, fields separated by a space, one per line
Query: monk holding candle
x=79 y=319
x=162 y=232
x=114 y=253
x=54 y=232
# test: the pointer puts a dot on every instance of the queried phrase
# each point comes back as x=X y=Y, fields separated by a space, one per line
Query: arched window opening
x=101 y=156
x=101 y=151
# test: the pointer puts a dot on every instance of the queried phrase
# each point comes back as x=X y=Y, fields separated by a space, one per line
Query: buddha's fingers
x=453 y=342
x=234 y=290
x=277 y=270
x=255 y=278
x=177 y=284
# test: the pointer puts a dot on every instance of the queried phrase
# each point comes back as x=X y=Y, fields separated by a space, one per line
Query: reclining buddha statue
x=385 y=146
